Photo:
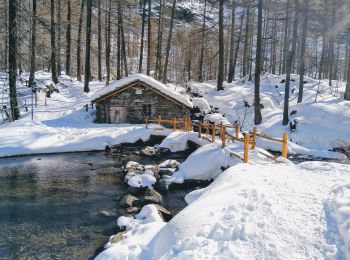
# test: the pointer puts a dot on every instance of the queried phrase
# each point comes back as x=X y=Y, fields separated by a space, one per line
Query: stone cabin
x=132 y=99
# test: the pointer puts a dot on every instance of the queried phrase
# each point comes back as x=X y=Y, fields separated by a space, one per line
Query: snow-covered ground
x=64 y=125
x=260 y=210
x=316 y=126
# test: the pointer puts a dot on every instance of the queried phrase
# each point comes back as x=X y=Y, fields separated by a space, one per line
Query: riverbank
x=274 y=210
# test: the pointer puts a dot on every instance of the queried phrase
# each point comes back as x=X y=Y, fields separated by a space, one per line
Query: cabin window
x=138 y=91
x=147 y=110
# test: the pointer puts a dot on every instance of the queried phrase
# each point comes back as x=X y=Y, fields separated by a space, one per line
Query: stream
x=65 y=206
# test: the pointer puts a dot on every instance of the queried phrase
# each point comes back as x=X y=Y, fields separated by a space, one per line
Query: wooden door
x=116 y=115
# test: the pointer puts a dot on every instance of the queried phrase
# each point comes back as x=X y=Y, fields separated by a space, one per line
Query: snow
x=322 y=119
x=64 y=125
x=142 y=180
x=141 y=230
x=202 y=104
x=340 y=210
x=114 y=85
x=259 y=210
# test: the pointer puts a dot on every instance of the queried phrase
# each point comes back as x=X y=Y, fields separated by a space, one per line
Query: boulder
x=117 y=238
x=169 y=164
x=149 y=151
x=152 y=197
x=128 y=201
x=154 y=168
x=136 y=191
x=133 y=166
x=132 y=210
x=167 y=216
x=166 y=171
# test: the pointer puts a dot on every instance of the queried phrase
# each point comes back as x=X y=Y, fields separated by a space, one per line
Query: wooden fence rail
x=249 y=139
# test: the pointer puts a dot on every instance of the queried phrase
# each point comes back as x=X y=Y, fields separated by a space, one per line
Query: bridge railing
x=212 y=133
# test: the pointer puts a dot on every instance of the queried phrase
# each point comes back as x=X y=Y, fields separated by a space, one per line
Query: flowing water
x=64 y=206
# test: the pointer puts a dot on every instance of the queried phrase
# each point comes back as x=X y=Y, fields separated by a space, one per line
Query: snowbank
x=267 y=211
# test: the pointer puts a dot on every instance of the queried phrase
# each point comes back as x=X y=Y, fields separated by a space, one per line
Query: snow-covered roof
x=117 y=84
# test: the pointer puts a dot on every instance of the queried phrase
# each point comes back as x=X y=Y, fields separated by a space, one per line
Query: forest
x=177 y=40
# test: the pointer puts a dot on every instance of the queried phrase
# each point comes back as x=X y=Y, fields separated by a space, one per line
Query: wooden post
x=146 y=120
x=207 y=132
x=188 y=124
x=254 y=138
x=159 y=119
x=213 y=134
x=199 y=130
x=45 y=98
x=220 y=133
x=174 y=124
x=285 y=145
x=237 y=130
x=246 y=147
x=223 y=137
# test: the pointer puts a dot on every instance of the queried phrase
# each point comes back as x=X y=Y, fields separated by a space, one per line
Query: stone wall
x=161 y=106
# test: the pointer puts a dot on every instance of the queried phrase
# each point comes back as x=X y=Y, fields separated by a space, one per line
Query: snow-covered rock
x=142 y=180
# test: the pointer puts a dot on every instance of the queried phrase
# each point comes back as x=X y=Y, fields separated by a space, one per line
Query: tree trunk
x=158 y=71
x=289 y=65
x=53 y=44
x=302 y=52
x=237 y=45
x=286 y=40
x=347 y=90
x=33 y=45
x=119 y=76
x=331 y=45
x=13 y=58
x=142 y=34
x=201 y=57
x=120 y=17
x=165 y=71
x=108 y=42
x=149 y=38
x=221 y=47
x=87 y=47
x=68 y=37
x=246 y=43
x=6 y=38
x=99 y=43
x=79 y=41
x=59 y=30
x=232 y=44
x=257 y=110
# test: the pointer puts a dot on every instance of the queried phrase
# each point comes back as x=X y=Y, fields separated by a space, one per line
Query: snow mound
x=202 y=104
x=114 y=85
x=216 y=119
x=142 y=180
x=204 y=164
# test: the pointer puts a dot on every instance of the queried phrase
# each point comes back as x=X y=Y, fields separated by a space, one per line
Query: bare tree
x=302 y=52
x=99 y=42
x=12 y=29
x=149 y=38
x=79 y=41
x=33 y=45
x=68 y=38
x=289 y=65
x=257 y=114
x=201 y=56
x=143 y=17
x=87 y=47
x=221 y=47
x=167 y=52
x=53 y=44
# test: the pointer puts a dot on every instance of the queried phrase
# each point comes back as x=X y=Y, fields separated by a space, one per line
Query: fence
x=211 y=131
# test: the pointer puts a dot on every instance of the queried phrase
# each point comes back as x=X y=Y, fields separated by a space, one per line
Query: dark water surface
x=63 y=206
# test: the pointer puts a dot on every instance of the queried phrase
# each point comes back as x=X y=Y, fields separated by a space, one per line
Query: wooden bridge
x=212 y=132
